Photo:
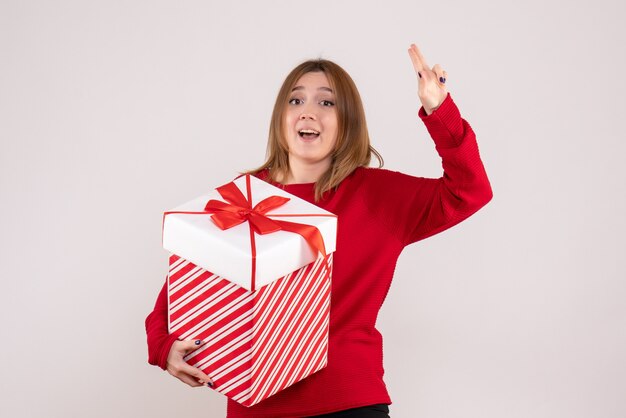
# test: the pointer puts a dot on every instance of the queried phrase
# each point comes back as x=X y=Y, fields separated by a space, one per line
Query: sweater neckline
x=304 y=190
x=291 y=186
x=308 y=188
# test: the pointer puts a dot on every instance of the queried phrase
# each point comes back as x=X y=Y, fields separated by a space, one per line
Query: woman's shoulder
x=376 y=181
x=376 y=174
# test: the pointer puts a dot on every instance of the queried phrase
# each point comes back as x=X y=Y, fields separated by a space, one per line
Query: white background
x=112 y=112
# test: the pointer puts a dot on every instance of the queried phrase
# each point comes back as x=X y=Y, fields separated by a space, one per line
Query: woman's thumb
x=191 y=345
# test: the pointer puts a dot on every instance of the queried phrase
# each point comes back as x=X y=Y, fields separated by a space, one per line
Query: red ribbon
x=239 y=210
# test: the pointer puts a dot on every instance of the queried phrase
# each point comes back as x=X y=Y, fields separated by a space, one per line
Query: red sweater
x=379 y=213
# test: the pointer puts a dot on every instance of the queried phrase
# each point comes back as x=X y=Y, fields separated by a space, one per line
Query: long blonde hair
x=352 y=148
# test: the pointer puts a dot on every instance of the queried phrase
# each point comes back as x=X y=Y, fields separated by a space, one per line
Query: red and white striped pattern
x=257 y=343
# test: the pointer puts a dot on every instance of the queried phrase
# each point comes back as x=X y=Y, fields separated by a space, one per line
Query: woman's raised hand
x=177 y=367
x=431 y=87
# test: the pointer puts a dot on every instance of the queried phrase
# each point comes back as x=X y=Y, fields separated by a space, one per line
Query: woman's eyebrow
x=320 y=88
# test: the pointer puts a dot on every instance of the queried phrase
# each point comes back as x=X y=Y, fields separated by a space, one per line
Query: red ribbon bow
x=239 y=210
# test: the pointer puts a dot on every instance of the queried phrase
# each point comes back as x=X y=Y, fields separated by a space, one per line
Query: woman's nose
x=307 y=115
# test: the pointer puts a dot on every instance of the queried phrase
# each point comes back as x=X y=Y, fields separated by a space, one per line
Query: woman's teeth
x=306 y=133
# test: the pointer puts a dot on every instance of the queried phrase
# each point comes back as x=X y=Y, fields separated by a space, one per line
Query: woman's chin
x=309 y=158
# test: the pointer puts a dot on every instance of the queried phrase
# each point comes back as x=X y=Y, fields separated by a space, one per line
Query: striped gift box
x=256 y=342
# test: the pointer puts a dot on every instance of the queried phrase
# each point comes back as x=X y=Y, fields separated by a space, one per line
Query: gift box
x=249 y=275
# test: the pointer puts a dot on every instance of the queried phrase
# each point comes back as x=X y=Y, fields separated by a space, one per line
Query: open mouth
x=308 y=134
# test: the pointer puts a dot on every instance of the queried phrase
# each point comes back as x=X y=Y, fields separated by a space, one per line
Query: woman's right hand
x=431 y=84
x=177 y=367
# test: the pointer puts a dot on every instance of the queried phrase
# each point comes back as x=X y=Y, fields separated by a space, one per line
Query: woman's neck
x=305 y=173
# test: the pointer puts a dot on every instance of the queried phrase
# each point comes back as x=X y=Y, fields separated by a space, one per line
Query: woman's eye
x=325 y=103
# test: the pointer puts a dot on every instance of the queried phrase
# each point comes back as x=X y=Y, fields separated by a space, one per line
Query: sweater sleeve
x=414 y=208
x=159 y=340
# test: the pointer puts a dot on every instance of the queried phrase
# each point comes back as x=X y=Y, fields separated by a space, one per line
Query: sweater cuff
x=445 y=124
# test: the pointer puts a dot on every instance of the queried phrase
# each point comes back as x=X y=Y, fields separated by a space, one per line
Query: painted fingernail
x=419 y=74
x=198 y=342
x=209 y=384
x=443 y=80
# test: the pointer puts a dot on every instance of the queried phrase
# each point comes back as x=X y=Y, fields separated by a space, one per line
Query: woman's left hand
x=431 y=87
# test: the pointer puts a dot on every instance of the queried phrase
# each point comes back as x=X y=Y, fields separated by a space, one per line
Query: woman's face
x=311 y=108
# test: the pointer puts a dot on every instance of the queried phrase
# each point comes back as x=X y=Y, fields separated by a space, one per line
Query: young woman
x=319 y=150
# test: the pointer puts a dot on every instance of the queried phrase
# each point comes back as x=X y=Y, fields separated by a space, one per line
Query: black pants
x=373 y=411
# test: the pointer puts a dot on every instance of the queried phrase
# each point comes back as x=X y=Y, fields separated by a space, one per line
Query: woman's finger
x=440 y=73
x=189 y=380
x=420 y=57
x=196 y=373
x=188 y=374
x=417 y=65
x=190 y=345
